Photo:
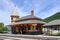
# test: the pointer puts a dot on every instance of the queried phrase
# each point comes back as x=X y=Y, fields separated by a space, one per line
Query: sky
x=42 y=8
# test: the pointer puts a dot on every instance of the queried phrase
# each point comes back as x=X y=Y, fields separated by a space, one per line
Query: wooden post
x=17 y=28
x=12 y=28
x=26 y=28
x=31 y=27
x=34 y=27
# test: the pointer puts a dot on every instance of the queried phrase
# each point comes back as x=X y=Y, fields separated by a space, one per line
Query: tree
x=5 y=28
x=2 y=27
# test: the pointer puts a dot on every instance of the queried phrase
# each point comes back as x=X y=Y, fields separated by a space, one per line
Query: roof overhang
x=29 y=22
x=53 y=23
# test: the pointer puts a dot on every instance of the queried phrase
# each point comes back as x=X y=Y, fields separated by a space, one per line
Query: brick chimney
x=32 y=13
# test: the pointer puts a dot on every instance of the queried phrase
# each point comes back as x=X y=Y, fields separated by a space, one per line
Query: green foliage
x=1 y=24
x=6 y=28
x=53 y=17
x=2 y=27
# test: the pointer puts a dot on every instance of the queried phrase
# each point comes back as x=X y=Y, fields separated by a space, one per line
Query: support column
x=26 y=28
x=14 y=29
x=39 y=28
x=34 y=28
x=31 y=28
x=21 y=28
x=17 y=29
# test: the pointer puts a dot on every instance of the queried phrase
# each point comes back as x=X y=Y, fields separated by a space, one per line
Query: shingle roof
x=54 y=22
x=29 y=16
x=29 y=21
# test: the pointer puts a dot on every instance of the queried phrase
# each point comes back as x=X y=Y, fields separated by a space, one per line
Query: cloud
x=21 y=12
x=47 y=8
x=6 y=11
x=42 y=8
x=50 y=12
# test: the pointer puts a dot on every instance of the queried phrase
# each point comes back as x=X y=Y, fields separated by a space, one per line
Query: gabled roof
x=52 y=23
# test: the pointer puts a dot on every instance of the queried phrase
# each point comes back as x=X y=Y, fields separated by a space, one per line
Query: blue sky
x=42 y=8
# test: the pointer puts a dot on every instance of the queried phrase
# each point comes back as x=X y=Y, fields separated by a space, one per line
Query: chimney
x=32 y=13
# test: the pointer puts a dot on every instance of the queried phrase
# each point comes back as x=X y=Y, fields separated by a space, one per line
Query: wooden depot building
x=29 y=24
